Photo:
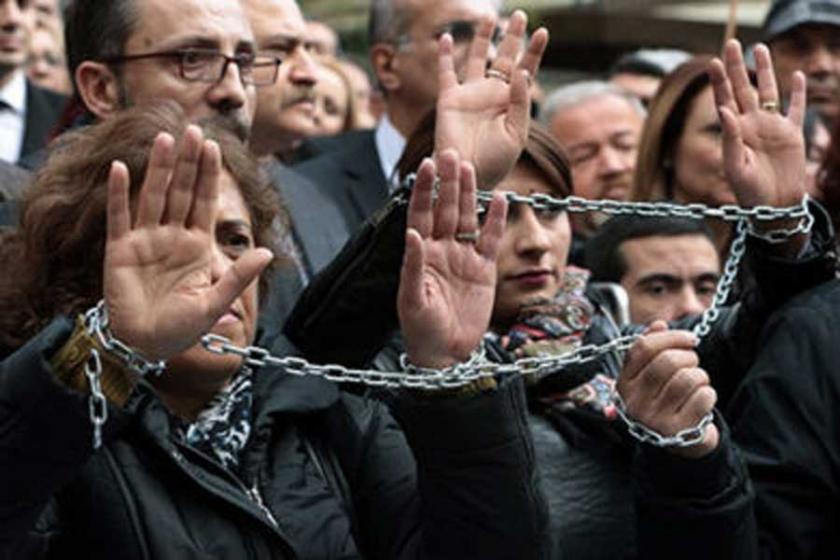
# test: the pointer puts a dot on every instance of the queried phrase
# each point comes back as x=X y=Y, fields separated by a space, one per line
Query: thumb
x=239 y=276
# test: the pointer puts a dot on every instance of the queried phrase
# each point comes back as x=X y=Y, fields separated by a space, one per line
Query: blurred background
x=586 y=35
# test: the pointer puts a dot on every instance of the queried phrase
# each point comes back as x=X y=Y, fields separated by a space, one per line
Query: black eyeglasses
x=463 y=32
x=209 y=66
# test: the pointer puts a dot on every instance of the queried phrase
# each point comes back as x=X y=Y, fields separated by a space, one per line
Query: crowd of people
x=424 y=344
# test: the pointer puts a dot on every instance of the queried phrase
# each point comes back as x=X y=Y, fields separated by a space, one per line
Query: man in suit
x=27 y=113
x=403 y=37
x=113 y=65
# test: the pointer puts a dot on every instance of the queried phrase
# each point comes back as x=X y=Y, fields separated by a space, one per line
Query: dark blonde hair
x=351 y=118
x=57 y=253
x=667 y=115
x=541 y=152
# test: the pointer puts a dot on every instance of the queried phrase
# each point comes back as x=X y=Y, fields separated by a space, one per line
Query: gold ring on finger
x=467 y=236
x=498 y=74
x=770 y=106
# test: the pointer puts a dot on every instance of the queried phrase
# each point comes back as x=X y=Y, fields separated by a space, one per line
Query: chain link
x=96 y=321
x=413 y=377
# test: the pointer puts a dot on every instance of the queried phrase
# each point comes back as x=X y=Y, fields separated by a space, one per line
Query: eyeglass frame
x=238 y=59
x=404 y=38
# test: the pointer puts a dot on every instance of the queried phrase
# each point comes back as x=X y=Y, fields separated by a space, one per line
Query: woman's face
x=198 y=369
x=698 y=158
x=331 y=103
x=533 y=252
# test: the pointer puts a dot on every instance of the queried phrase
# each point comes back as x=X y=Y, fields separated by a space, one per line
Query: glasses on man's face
x=462 y=32
x=209 y=66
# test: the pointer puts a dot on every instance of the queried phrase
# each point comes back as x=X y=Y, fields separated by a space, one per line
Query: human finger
x=446 y=206
x=420 y=206
x=648 y=385
x=519 y=113
x=733 y=143
x=679 y=389
x=206 y=197
x=411 y=274
x=183 y=183
x=768 y=92
x=467 y=215
x=152 y=197
x=648 y=346
x=239 y=275
x=119 y=212
x=480 y=46
x=721 y=86
x=745 y=95
x=532 y=58
x=447 y=78
x=700 y=403
x=507 y=54
x=494 y=227
x=798 y=97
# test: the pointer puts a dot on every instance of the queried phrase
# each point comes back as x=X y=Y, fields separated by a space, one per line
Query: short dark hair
x=602 y=254
x=97 y=29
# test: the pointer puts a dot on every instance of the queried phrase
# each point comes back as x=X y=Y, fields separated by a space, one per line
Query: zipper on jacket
x=254 y=494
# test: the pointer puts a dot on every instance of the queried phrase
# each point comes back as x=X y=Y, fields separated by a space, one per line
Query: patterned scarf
x=550 y=327
x=223 y=427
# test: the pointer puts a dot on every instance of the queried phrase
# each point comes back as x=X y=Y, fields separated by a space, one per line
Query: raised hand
x=664 y=389
x=485 y=118
x=763 y=150
x=448 y=278
x=159 y=290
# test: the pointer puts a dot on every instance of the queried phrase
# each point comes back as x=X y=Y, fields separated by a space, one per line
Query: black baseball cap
x=784 y=15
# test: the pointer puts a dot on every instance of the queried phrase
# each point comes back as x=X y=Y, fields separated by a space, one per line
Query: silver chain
x=413 y=377
x=96 y=323
x=97 y=405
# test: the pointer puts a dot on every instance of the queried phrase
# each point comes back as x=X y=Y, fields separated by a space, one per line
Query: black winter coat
x=610 y=498
x=324 y=475
x=786 y=420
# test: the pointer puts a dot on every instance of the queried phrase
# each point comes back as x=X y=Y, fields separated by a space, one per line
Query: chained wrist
x=804 y=224
x=70 y=360
x=463 y=379
x=688 y=437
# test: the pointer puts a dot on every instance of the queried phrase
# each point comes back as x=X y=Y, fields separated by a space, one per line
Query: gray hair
x=579 y=92
x=388 y=19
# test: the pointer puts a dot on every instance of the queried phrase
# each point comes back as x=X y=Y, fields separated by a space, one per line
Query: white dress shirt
x=12 y=117
x=389 y=145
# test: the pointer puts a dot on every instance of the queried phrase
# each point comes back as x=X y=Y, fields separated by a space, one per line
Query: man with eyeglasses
x=199 y=53
x=403 y=37
x=202 y=55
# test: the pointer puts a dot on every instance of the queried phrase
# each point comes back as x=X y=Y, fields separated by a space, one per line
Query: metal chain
x=96 y=321
x=477 y=367
x=97 y=405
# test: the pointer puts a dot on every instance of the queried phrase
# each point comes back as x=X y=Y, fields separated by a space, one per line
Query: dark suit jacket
x=13 y=179
x=352 y=174
x=319 y=230
x=43 y=110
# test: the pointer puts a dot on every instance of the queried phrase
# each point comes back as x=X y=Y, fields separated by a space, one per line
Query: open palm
x=159 y=288
x=485 y=118
x=448 y=282
x=764 y=154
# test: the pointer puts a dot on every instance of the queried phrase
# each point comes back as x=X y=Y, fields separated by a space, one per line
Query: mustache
x=298 y=95
x=229 y=122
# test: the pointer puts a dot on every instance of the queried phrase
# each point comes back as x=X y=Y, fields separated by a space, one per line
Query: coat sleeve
x=45 y=440
x=694 y=508
x=785 y=421
x=454 y=478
